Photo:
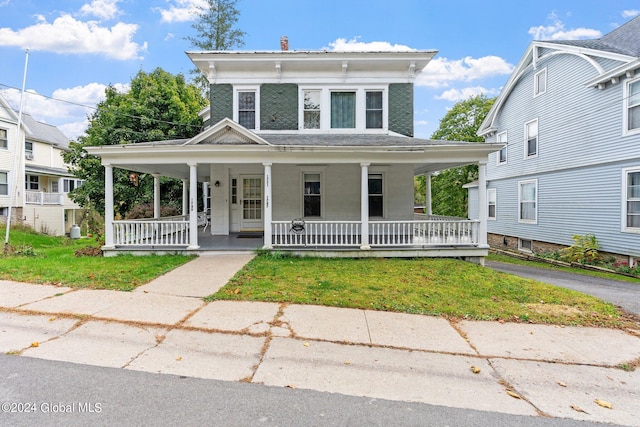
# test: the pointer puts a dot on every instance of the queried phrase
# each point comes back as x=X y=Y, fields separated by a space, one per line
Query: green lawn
x=52 y=260
x=441 y=287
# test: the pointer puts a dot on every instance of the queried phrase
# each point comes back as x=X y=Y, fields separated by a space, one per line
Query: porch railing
x=435 y=232
x=170 y=231
x=42 y=198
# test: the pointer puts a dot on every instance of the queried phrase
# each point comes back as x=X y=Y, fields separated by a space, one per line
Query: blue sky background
x=77 y=47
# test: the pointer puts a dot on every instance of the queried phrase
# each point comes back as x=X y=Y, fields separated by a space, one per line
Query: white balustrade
x=42 y=198
x=151 y=232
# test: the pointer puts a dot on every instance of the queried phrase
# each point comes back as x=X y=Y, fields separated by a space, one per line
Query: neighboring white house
x=314 y=150
x=43 y=181
x=570 y=118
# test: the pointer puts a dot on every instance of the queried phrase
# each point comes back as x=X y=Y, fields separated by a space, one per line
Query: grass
x=440 y=287
x=604 y=275
x=52 y=260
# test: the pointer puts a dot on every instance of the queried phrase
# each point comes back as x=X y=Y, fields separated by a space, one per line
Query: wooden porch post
x=482 y=203
x=427 y=200
x=108 y=206
x=156 y=195
x=364 y=206
x=193 y=206
x=185 y=197
x=268 y=207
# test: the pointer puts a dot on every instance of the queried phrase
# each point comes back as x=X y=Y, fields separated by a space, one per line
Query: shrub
x=145 y=210
x=584 y=250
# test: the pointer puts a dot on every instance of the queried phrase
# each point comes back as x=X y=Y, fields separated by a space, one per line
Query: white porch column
x=427 y=200
x=185 y=197
x=364 y=206
x=108 y=206
x=193 y=206
x=268 y=206
x=156 y=195
x=482 y=203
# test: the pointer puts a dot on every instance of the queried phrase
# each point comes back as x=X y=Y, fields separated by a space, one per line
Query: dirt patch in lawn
x=555 y=309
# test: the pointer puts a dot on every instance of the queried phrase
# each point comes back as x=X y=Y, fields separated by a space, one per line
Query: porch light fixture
x=217 y=184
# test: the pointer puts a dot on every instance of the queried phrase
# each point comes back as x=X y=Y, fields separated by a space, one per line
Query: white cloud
x=354 y=45
x=421 y=123
x=169 y=36
x=556 y=31
x=182 y=10
x=630 y=13
x=441 y=71
x=68 y=35
x=455 y=95
x=103 y=9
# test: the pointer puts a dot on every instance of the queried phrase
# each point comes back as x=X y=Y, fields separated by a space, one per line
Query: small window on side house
x=633 y=106
x=531 y=138
x=4 y=183
x=311 y=118
x=631 y=202
x=376 y=195
x=28 y=150
x=525 y=245
x=4 y=141
x=247 y=109
x=374 y=110
x=502 y=154
x=312 y=197
x=491 y=203
x=540 y=82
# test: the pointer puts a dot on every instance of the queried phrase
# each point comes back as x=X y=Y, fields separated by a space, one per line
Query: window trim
x=623 y=218
x=535 y=201
x=28 y=182
x=526 y=139
x=312 y=171
x=521 y=248
x=506 y=151
x=28 y=153
x=536 y=88
x=236 y=103
x=367 y=110
x=493 y=191
x=304 y=110
x=6 y=140
x=625 y=115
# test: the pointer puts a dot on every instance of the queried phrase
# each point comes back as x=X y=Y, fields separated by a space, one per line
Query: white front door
x=251 y=202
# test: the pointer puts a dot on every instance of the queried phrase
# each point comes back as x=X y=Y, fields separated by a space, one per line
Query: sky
x=79 y=47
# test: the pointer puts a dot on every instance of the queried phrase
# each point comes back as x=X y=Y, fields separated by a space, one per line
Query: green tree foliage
x=215 y=31
x=158 y=106
x=459 y=124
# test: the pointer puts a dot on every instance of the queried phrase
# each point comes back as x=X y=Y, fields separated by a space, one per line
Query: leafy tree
x=215 y=31
x=459 y=124
x=158 y=106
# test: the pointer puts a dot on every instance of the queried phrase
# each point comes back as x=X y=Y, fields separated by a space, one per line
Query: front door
x=251 y=203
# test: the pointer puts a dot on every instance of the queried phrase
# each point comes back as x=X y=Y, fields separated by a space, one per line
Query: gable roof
x=226 y=132
x=43 y=132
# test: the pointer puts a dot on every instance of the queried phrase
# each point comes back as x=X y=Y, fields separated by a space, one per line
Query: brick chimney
x=284 y=43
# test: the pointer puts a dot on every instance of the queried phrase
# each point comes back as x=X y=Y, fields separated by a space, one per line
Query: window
x=491 y=203
x=343 y=110
x=32 y=182
x=374 y=110
x=4 y=141
x=234 y=191
x=312 y=195
x=531 y=134
x=311 y=118
x=631 y=202
x=54 y=186
x=28 y=150
x=633 y=106
x=376 y=195
x=69 y=184
x=502 y=139
x=525 y=245
x=540 y=82
x=4 y=183
x=527 y=201
x=247 y=109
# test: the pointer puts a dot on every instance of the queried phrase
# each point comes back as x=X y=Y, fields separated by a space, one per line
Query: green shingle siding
x=401 y=108
x=279 y=106
x=221 y=101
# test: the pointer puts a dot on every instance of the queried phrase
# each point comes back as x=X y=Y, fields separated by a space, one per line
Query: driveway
x=623 y=294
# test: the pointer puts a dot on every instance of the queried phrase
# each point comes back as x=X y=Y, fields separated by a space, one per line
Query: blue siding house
x=569 y=117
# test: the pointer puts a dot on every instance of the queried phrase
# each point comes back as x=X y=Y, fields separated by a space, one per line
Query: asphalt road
x=67 y=394
x=623 y=294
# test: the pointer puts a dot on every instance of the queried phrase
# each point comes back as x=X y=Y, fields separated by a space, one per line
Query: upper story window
x=28 y=150
x=4 y=141
x=312 y=197
x=69 y=184
x=32 y=182
x=502 y=139
x=343 y=110
x=631 y=200
x=4 y=183
x=374 y=109
x=311 y=118
x=540 y=82
x=247 y=109
x=376 y=195
x=632 y=116
x=491 y=203
x=528 y=201
x=531 y=138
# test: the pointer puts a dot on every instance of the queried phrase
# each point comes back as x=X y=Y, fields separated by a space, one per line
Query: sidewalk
x=166 y=327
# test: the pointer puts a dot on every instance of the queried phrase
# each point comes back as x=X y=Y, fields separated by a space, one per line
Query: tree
x=459 y=124
x=158 y=106
x=215 y=31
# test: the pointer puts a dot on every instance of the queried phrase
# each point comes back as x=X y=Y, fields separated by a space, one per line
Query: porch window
x=28 y=150
x=312 y=109
x=4 y=183
x=247 y=109
x=376 y=195
x=491 y=202
x=631 y=203
x=32 y=182
x=502 y=155
x=4 y=141
x=540 y=82
x=374 y=110
x=633 y=106
x=531 y=134
x=527 y=201
x=234 y=191
x=312 y=195
x=343 y=110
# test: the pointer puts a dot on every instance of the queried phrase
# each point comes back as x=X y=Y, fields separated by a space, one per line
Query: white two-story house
x=40 y=198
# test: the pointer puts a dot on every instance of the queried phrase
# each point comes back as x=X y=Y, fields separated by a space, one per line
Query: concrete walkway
x=166 y=327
